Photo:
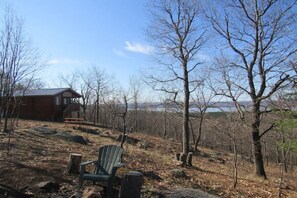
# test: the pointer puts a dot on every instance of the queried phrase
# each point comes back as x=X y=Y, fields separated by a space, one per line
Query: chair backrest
x=109 y=156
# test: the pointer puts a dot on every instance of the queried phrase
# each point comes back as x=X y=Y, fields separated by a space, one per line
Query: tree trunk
x=5 y=128
x=266 y=153
x=165 y=123
x=235 y=169
x=124 y=132
x=199 y=132
x=259 y=165
x=257 y=148
x=135 y=124
x=192 y=131
x=85 y=113
x=97 y=112
x=186 y=134
x=284 y=154
x=277 y=155
x=105 y=117
x=94 y=118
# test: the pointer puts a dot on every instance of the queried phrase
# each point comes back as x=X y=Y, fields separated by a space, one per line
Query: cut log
x=189 y=158
x=183 y=159
x=177 y=156
x=74 y=163
x=131 y=185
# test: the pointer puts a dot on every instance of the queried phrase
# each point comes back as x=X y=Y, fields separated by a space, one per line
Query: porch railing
x=73 y=107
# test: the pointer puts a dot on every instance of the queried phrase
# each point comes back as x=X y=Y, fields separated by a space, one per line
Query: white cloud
x=120 y=53
x=139 y=48
x=67 y=61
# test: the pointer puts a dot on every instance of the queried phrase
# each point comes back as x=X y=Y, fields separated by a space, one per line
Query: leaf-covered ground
x=36 y=157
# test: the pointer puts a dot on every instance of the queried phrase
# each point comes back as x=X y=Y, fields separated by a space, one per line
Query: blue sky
x=74 y=34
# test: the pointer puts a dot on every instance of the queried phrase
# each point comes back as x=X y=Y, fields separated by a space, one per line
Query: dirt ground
x=32 y=157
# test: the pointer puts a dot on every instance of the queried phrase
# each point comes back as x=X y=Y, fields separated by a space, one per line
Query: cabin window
x=66 y=101
x=57 y=100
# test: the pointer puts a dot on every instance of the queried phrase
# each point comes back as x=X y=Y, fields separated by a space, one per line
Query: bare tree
x=261 y=39
x=70 y=80
x=202 y=101
x=85 y=91
x=118 y=105
x=19 y=63
x=135 y=88
x=166 y=116
x=99 y=86
x=231 y=128
x=178 y=36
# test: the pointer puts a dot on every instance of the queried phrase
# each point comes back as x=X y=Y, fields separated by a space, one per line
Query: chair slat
x=108 y=157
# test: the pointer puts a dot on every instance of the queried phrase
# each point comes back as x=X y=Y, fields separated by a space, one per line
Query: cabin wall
x=39 y=108
x=48 y=108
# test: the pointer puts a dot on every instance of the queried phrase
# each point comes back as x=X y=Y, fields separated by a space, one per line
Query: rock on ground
x=46 y=131
x=187 y=192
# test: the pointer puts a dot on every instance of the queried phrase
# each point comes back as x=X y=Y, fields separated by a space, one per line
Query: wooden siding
x=49 y=107
x=40 y=108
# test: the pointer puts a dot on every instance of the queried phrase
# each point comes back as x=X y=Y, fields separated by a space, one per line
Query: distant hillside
x=213 y=106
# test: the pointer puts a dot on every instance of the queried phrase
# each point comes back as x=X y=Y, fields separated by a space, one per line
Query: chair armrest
x=88 y=162
x=115 y=168
x=82 y=167
x=119 y=165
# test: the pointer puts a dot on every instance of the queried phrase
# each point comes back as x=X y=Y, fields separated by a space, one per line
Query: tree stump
x=131 y=185
x=177 y=156
x=183 y=159
x=189 y=158
x=74 y=163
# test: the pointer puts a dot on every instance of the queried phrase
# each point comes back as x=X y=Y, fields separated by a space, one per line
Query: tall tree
x=19 y=61
x=69 y=80
x=117 y=102
x=202 y=101
x=135 y=88
x=99 y=86
x=85 y=91
x=261 y=38
x=178 y=36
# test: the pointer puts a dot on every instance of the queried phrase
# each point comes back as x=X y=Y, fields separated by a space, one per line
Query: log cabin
x=50 y=104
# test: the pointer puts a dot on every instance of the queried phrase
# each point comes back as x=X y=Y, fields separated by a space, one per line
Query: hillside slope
x=38 y=153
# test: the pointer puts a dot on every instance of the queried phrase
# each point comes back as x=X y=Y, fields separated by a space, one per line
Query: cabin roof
x=47 y=92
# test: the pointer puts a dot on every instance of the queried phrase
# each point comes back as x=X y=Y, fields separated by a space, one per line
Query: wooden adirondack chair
x=109 y=160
